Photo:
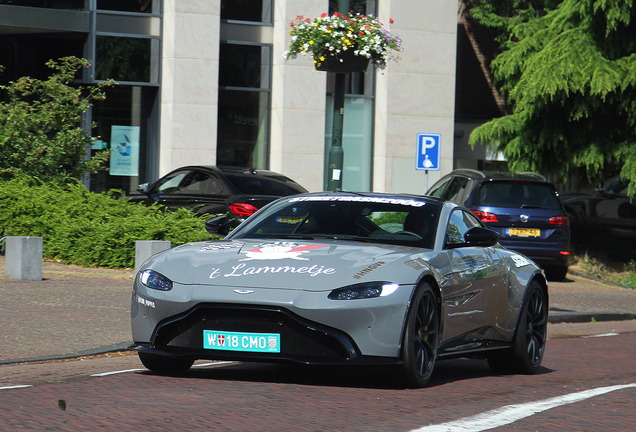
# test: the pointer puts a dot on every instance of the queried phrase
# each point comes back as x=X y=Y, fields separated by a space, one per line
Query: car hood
x=306 y=265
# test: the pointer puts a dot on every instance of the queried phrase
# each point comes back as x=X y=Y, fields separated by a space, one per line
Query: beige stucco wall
x=189 y=87
x=416 y=94
x=298 y=102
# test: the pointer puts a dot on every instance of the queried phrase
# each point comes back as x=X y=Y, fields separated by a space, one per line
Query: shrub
x=40 y=124
x=86 y=228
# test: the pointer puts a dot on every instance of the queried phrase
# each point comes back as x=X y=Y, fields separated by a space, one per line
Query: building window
x=244 y=104
x=245 y=66
x=126 y=59
x=143 y=6
x=357 y=142
x=125 y=108
x=259 y=11
x=61 y=4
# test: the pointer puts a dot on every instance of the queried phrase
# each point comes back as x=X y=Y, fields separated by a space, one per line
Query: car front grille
x=300 y=340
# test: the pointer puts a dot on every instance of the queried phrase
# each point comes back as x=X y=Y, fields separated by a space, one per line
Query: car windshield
x=374 y=219
x=516 y=194
x=254 y=185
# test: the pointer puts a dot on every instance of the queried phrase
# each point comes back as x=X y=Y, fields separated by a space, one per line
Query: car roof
x=233 y=170
x=361 y=196
x=240 y=171
x=500 y=175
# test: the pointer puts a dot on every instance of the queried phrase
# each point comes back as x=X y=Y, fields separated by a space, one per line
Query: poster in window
x=124 y=150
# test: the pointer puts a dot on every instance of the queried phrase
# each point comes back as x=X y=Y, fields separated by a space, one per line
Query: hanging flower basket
x=344 y=62
x=330 y=39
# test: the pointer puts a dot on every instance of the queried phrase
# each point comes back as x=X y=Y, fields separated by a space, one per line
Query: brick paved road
x=248 y=397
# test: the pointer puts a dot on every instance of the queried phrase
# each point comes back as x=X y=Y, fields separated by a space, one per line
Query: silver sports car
x=344 y=278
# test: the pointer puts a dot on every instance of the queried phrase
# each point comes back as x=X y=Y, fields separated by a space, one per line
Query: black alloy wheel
x=530 y=337
x=421 y=338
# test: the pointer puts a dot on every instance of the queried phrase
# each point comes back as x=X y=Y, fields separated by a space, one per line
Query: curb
x=586 y=317
x=123 y=346
x=594 y=278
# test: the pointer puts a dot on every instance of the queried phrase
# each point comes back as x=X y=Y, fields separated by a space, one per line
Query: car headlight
x=364 y=290
x=154 y=280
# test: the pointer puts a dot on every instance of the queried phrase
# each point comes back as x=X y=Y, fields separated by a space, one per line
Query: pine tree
x=570 y=79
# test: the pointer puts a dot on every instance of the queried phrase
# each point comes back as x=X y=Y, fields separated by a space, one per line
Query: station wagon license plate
x=523 y=232
x=238 y=341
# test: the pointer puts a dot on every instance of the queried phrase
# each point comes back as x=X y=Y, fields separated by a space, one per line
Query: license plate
x=245 y=342
x=524 y=232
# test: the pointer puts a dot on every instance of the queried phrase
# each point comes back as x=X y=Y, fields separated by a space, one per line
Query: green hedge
x=86 y=228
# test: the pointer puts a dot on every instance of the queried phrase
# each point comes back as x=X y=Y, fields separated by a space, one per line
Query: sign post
x=428 y=153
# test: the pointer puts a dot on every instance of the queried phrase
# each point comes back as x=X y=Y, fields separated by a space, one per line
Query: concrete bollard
x=23 y=258
x=144 y=249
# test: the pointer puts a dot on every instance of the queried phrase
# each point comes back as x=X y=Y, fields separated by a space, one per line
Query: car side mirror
x=218 y=226
x=483 y=237
x=143 y=188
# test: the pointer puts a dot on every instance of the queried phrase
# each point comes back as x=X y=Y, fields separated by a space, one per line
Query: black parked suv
x=523 y=208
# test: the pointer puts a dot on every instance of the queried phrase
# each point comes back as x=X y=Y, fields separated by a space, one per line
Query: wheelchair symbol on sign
x=427 y=162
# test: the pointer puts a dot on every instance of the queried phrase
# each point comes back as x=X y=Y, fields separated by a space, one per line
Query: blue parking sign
x=428 y=151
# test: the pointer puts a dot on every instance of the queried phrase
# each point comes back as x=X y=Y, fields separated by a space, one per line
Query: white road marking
x=143 y=369
x=14 y=387
x=116 y=372
x=213 y=364
x=601 y=335
x=511 y=413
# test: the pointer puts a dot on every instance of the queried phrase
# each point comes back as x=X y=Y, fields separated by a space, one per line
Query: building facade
x=205 y=82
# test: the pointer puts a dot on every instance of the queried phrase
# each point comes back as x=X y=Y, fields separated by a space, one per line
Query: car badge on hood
x=279 y=250
x=524 y=218
x=240 y=291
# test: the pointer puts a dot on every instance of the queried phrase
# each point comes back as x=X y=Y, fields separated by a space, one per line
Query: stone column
x=23 y=257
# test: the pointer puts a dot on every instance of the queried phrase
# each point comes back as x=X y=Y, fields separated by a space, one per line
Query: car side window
x=460 y=222
x=200 y=183
x=616 y=186
x=457 y=189
x=438 y=190
x=169 y=184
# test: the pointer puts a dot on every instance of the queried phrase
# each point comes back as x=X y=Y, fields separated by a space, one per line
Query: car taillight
x=242 y=209
x=485 y=216
x=559 y=220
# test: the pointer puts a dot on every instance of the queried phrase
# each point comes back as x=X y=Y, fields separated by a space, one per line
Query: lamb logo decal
x=279 y=250
x=275 y=251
